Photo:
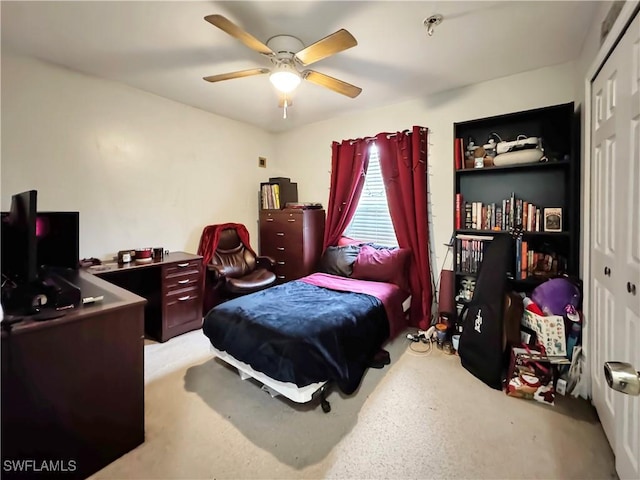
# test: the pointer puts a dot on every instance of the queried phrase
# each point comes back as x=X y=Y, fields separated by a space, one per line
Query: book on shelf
x=277 y=192
x=458 y=213
x=511 y=213
x=524 y=260
x=468 y=215
x=470 y=252
x=270 y=196
x=518 y=274
x=458 y=153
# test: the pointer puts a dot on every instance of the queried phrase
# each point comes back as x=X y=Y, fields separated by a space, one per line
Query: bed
x=301 y=337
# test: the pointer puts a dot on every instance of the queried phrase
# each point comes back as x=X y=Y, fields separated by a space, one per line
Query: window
x=372 y=221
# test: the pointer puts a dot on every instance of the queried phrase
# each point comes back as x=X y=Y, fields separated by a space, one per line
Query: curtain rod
x=389 y=135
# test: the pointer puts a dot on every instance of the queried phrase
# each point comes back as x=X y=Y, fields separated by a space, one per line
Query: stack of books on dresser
x=277 y=192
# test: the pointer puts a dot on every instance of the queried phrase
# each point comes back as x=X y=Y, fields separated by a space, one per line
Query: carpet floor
x=422 y=416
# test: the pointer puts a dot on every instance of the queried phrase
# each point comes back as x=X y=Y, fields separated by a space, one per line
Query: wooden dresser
x=173 y=287
x=293 y=238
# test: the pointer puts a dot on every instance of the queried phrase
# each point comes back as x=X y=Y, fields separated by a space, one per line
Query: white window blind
x=372 y=221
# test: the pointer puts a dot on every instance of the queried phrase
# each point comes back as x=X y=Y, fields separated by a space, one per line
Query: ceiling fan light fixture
x=285 y=80
x=286 y=53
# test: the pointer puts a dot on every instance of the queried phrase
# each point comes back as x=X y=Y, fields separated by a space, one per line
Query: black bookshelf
x=552 y=183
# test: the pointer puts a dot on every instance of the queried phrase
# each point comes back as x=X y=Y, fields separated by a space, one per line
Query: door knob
x=621 y=376
x=607 y=271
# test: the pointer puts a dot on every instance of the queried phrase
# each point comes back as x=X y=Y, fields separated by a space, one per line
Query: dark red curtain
x=403 y=162
x=349 y=162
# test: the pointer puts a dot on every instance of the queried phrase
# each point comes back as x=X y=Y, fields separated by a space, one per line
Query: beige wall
x=142 y=170
x=147 y=171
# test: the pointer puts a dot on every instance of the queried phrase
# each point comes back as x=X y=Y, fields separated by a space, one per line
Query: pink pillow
x=347 y=241
x=382 y=265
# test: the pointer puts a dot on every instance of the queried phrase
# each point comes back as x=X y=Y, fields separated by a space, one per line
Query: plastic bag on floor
x=578 y=380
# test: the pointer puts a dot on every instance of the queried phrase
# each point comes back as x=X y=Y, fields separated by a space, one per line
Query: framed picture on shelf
x=553 y=219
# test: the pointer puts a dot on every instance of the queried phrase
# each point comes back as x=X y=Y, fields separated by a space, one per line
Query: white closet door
x=628 y=341
x=607 y=213
x=615 y=255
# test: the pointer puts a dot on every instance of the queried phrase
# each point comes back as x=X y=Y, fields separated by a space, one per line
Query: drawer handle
x=182 y=282
x=184 y=299
x=182 y=265
x=280 y=276
x=280 y=234
x=280 y=248
x=269 y=219
x=281 y=263
x=291 y=219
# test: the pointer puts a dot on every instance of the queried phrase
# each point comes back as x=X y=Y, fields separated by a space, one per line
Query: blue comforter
x=301 y=333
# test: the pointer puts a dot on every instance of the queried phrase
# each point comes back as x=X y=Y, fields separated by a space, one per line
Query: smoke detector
x=431 y=22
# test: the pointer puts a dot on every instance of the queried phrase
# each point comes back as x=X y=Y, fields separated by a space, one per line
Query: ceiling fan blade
x=234 y=30
x=334 y=43
x=332 y=83
x=240 y=74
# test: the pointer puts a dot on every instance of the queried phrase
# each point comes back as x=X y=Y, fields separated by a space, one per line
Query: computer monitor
x=19 y=247
x=58 y=239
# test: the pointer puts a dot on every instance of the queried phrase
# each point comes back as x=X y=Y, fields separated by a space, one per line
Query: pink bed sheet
x=389 y=294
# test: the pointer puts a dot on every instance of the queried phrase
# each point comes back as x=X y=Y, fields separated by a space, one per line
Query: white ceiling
x=167 y=47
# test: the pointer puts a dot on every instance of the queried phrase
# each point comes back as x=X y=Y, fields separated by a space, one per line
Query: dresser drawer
x=292 y=216
x=281 y=233
x=288 y=271
x=279 y=251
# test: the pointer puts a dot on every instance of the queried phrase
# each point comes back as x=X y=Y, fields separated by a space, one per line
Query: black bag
x=481 y=341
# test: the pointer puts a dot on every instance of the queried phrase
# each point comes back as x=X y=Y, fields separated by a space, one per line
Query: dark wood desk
x=73 y=387
x=172 y=286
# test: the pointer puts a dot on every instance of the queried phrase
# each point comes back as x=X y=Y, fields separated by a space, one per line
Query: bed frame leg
x=324 y=391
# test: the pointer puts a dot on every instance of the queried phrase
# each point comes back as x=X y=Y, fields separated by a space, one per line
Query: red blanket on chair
x=211 y=236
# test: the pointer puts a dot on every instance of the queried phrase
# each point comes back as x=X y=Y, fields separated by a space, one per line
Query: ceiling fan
x=286 y=54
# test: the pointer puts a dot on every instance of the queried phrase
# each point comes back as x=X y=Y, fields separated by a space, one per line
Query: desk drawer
x=179 y=269
x=177 y=282
x=177 y=276
x=182 y=284
x=182 y=306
